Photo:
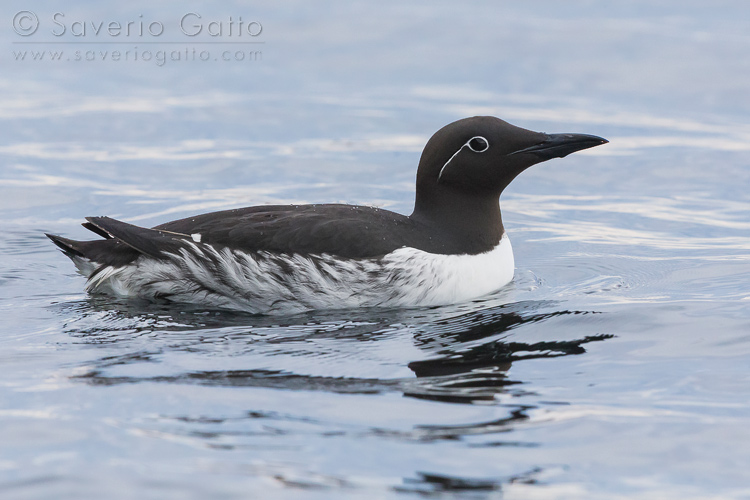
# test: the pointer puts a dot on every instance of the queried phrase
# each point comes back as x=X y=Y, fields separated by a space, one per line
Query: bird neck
x=470 y=221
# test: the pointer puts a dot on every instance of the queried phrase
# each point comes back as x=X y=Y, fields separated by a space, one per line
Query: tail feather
x=123 y=243
x=71 y=248
x=78 y=252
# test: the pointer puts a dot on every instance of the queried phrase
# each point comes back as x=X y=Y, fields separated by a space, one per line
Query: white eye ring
x=467 y=145
x=483 y=144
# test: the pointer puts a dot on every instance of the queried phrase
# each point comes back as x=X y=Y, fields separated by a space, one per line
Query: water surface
x=614 y=366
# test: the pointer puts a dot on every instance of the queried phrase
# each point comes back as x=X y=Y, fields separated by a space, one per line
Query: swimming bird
x=292 y=258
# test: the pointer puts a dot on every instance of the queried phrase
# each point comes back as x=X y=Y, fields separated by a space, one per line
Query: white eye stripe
x=479 y=149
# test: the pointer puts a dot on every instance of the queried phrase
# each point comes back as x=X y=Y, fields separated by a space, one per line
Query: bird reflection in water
x=474 y=359
x=468 y=354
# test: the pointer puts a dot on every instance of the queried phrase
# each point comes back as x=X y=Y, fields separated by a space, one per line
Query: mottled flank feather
x=265 y=282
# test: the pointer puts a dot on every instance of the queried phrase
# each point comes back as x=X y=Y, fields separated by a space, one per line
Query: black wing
x=344 y=230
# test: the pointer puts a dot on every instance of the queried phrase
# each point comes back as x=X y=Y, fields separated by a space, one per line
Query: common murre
x=280 y=259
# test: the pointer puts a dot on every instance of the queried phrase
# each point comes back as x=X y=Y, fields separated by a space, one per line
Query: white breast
x=434 y=279
x=263 y=282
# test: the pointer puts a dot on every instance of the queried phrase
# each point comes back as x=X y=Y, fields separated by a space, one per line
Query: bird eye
x=478 y=144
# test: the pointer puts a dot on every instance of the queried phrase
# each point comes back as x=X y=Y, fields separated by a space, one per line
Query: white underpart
x=263 y=282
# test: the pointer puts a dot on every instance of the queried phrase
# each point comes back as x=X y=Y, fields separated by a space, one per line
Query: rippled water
x=614 y=366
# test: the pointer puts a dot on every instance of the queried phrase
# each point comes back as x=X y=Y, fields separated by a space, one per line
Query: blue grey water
x=617 y=365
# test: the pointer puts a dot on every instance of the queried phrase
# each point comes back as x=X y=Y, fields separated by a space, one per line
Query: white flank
x=263 y=282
